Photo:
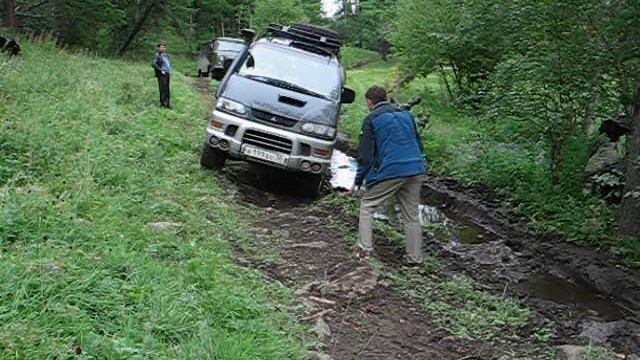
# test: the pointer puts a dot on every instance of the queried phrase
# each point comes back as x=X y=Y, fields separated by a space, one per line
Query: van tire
x=310 y=185
x=211 y=158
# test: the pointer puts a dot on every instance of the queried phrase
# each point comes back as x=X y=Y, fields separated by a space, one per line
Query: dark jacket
x=390 y=146
x=156 y=64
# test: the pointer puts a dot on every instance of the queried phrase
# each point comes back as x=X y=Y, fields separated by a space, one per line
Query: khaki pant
x=407 y=193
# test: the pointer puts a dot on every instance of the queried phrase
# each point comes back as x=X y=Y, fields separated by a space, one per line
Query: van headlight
x=231 y=106
x=319 y=130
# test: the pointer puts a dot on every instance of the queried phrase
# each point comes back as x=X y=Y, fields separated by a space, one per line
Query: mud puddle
x=581 y=297
x=453 y=234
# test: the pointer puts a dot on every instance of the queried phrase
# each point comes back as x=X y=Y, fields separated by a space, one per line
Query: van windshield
x=316 y=75
x=229 y=46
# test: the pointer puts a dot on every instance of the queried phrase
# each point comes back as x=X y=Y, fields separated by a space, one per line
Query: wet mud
x=357 y=314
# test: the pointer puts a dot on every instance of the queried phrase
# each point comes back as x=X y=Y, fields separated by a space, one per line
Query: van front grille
x=267 y=141
x=272 y=118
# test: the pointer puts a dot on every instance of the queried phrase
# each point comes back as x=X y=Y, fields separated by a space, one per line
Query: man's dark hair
x=376 y=94
x=162 y=43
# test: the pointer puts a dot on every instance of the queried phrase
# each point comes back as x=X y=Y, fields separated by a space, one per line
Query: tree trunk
x=137 y=27
x=446 y=82
x=10 y=13
x=629 y=220
x=556 y=160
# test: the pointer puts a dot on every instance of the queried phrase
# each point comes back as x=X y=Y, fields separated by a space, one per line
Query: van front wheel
x=311 y=185
x=211 y=158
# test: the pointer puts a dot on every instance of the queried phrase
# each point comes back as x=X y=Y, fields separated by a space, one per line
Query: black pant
x=165 y=93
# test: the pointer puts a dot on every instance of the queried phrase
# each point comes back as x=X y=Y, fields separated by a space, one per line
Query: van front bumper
x=295 y=152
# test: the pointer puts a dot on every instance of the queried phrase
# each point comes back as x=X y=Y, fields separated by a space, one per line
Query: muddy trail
x=381 y=310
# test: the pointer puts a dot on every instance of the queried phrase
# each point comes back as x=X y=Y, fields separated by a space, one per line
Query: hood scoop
x=291 y=101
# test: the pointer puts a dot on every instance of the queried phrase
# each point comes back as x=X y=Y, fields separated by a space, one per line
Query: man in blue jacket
x=391 y=163
x=162 y=66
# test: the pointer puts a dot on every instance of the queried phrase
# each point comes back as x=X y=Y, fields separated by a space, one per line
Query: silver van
x=278 y=104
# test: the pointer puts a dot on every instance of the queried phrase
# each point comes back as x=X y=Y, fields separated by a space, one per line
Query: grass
x=360 y=80
x=356 y=57
x=87 y=160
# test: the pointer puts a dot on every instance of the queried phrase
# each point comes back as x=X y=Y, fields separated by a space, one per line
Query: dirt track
x=357 y=312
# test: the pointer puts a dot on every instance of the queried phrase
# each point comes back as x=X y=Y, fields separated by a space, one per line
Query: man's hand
x=349 y=192
x=164 y=73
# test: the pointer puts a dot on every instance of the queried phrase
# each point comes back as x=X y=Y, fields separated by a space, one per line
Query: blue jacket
x=161 y=63
x=390 y=146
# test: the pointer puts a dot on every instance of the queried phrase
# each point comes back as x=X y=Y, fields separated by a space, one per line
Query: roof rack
x=306 y=39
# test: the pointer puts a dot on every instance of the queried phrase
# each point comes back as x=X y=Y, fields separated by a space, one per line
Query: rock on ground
x=571 y=352
x=357 y=282
x=163 y=225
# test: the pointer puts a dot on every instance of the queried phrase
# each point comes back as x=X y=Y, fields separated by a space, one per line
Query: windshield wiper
x=285 y=85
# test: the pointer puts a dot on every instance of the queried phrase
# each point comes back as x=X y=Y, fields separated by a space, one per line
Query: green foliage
x=278 y=11
x=367 y=26
x=480 y=153
x=105 y=26
x=544 y=71
x=88 y=159
x=597 y=353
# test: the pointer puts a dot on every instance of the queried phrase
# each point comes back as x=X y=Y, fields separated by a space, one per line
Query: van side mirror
x=218 y=72
x=248 y=35
x=348 y=96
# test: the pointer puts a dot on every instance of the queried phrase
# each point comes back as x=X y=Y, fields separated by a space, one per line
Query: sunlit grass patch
x=88 y=161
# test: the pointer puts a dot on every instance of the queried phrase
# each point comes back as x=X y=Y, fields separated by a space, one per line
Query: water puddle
x=445 y=229
x=561 y=291
x=453 y=231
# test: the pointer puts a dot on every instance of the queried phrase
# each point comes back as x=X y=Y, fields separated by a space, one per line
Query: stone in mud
x=602 y=332
x=493 y=253
x=357 y=282
x=306 y=288
x=163 y=225
x=571 y=352
x=321 y=328
x=314 y=355
x=312 y=219
x=53 y=268
x=598 y=332
x=312 y=245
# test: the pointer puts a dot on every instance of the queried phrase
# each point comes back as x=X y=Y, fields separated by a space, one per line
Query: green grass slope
x=87 y=160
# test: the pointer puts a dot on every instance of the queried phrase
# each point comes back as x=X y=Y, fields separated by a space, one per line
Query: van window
x=307 y=71
x=229 y=46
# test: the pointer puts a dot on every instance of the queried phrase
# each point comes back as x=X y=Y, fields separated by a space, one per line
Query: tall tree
x=278 y=11
x=629 y=222
x=10 y=13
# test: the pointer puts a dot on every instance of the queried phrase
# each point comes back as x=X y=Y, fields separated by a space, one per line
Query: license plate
x=270 y=156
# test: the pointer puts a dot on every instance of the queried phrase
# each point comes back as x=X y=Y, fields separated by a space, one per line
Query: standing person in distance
x=391 y=163
x=162 y=66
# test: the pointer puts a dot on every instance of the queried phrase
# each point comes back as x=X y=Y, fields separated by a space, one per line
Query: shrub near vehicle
x=279 y=103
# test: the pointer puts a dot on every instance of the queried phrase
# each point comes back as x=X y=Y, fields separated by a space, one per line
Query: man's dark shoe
x=409 y=262
x=363 y=255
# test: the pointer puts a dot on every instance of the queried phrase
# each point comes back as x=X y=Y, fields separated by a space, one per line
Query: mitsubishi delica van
x=278 y=104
